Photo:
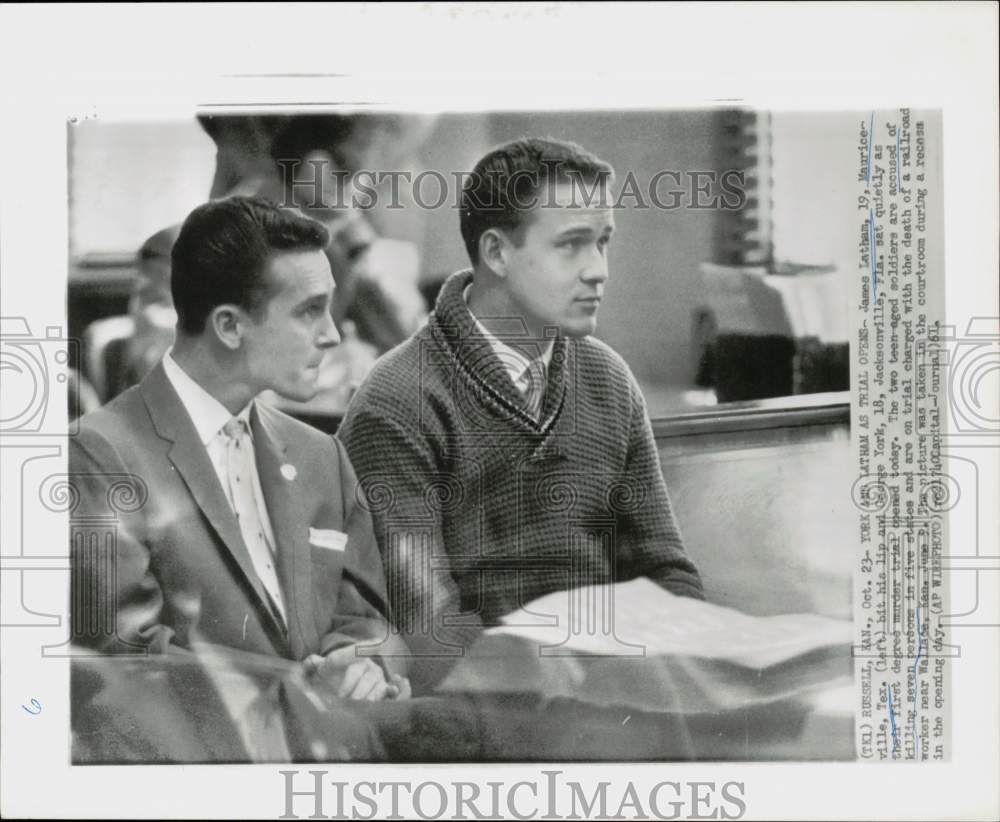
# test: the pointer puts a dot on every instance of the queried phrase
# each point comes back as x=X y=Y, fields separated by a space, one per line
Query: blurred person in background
x=378 y=276
x=151 y=308
x=243 y=164
x=379 y=302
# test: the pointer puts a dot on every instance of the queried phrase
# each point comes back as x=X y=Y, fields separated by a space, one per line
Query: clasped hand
x=349 y=676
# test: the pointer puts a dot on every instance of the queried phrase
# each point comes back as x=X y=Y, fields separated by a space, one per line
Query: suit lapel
x=282 y=492
x=192 y=462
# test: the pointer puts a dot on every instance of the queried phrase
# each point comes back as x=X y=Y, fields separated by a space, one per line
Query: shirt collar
x=515 y=361
x=206 y=412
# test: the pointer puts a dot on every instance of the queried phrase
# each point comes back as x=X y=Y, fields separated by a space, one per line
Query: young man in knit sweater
x=503 y=452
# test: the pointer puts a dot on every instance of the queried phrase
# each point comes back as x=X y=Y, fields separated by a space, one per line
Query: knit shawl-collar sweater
x=479 y=508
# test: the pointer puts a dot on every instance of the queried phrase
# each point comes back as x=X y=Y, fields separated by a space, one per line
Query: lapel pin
x=288 y=472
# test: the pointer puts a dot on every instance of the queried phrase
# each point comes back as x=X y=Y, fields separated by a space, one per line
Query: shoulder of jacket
x=113 y=420
x=292 y=429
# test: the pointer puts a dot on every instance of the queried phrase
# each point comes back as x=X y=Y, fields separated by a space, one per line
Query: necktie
x=239 y=468
x=534 y=392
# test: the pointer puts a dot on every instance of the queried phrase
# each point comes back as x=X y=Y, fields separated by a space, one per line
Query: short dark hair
x=496 y=192
x=304 y=133
x=222 y=250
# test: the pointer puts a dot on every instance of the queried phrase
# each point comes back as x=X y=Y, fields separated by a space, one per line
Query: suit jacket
x=168 y=564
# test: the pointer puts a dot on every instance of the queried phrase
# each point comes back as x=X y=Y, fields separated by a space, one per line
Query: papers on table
x=639 y=618
x=637 y=644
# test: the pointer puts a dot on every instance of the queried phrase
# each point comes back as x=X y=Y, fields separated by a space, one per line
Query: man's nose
x=596 y=270
x=329 y=336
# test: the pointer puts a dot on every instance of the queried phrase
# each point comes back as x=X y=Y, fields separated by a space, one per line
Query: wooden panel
x=766 y=512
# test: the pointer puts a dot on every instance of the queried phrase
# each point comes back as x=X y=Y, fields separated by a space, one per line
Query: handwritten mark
x=872 y=249
x=916 y=662
x=34 y=704
x=899 y=164
x=871 y=139
x=892 y=720
x=920 y=645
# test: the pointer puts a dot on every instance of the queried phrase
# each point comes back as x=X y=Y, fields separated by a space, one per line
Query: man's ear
x=493 y=245
x=228 y=322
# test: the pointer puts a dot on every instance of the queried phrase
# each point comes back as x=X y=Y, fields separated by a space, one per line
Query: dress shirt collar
x=206 y=412
x=515 y=361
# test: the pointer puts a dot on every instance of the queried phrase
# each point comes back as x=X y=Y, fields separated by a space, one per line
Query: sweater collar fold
x=457 y=328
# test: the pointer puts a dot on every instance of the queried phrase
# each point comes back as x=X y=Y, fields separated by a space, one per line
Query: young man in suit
x=236 y=527
x=506 y=453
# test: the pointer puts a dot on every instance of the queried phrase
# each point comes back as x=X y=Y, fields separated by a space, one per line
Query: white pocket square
x=328 y=538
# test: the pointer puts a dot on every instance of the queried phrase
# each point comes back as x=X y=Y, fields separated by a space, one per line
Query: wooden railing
x=779 y=412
